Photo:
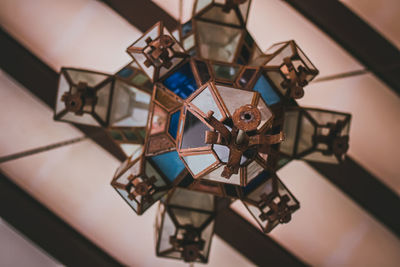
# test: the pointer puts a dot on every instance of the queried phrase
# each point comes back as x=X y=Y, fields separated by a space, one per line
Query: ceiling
x=73 y=181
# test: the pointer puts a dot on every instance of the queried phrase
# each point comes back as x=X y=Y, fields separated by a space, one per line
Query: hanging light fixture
x=202 y=112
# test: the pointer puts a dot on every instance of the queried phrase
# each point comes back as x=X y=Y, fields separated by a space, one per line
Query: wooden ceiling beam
x=47 y=230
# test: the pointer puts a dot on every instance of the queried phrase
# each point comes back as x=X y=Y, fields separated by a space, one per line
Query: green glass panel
x=139 y=79
x=116 y=135
x=130 y=135
x=225 y=72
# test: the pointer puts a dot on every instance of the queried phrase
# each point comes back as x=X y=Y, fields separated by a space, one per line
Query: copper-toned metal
x=247 y=118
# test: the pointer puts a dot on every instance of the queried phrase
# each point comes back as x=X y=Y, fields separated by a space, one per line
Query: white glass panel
x=167 y=230
x=198 y=163
x=140 y=59
x=92 y=79
x=201 y=4
x=205 y=102
x=189 y=217
x=188 y=42
x=86 y=119
x=131 y=149
x=234 y=98
x=215 y=175
x=125 y=194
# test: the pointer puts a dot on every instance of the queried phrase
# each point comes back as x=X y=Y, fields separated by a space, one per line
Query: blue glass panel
x=263 y=176
x=181 y=82
x=267 y=92
x=173 y=124
x=169 y=163
x=186 y=28
x=125 y=73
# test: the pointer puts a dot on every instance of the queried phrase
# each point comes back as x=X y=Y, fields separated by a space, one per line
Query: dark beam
x=142 y=13
x=250 y=241
x=356 y=36
x=365 y=189
x=47 y=230
x=42 y=81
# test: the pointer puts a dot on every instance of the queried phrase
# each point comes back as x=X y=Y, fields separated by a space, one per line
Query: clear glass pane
x=306 y=133
x=206 y=235
x=125 y=195
x=103 y=101
x=192 y=199
x=218 y=42
x=92 y=79
x=130 y=106
x=216 y=14
x=198 y=163
x=243 y=8
x=325 y=117
x=168 y=229
x=290 y=130
x=189 y=217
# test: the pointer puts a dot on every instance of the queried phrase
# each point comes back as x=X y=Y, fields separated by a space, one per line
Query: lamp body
x=269 y=201
x=287 y=68
x=316 y=134
x=185 y=225
x=142 y=180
